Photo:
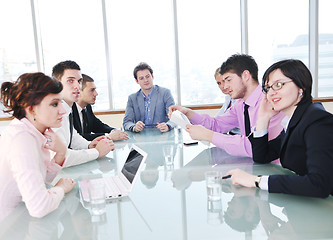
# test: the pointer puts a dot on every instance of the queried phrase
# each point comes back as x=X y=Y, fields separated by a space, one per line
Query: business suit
x=305 y=148
x=94 y=126
x=161 y=100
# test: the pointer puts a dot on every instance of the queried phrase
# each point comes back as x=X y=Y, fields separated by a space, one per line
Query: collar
x=32 y=129
x=67 y=108
x=79 y=109
x=255 y=97
x=149 y=95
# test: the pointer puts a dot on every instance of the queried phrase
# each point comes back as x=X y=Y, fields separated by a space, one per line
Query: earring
x=300 y=94
x=34 y=117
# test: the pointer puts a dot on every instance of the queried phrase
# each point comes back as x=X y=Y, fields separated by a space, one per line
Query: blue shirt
x=147 y=119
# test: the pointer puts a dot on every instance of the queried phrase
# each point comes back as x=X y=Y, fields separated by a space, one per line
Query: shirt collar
x=79 y=109
x=67 y=108
x=33 y=130
x=254 y=97
x=149 y=95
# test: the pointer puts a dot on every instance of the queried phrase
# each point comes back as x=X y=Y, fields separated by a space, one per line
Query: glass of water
x=213 y=185
x=168 y=151
x=97 y=196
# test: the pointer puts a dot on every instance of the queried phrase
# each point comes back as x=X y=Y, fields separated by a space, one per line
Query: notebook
x=121 y=184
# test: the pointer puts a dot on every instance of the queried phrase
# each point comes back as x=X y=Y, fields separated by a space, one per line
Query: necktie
x=70 y=129
x=247 y=120
x=84 y=121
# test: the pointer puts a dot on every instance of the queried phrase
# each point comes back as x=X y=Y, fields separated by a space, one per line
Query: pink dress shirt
x=238 y=145
x=25 y=168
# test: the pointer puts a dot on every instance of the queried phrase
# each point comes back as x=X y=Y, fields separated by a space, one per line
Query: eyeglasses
x=276 y=86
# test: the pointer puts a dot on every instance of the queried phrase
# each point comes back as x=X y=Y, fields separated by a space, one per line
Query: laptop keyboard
x=113 y=186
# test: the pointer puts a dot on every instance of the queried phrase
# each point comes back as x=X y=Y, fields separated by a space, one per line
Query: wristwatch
x=257 y=181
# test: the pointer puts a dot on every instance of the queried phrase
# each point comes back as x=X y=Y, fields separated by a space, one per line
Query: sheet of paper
x=180 y=119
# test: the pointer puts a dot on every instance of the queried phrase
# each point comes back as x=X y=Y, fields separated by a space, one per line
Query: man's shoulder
x=161 y=90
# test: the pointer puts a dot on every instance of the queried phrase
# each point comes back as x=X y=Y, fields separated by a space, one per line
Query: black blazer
x=306 y=148
x=95 y=127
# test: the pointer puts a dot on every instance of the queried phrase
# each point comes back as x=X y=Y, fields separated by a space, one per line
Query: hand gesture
x=163 y=127
x=66 y=183
x=139 y=126
x=199 y=132
x=117 y=135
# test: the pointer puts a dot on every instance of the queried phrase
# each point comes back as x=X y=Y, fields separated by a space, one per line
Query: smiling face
x=71 y=81
x=234 y=85
x=145 y=80
x=286 y=98
x=48 y=113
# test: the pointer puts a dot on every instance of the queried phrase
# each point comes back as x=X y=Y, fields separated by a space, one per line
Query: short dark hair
x=85 y=79
x=27 y=91
x=59 y=69
x=238 y=63
x=142 y=66
x=297 y=72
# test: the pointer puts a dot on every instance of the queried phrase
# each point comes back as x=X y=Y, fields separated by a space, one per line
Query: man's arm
x=169 y=101
x=129 y=118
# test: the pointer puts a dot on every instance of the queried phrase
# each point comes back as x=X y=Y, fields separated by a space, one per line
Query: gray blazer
x=161 y=100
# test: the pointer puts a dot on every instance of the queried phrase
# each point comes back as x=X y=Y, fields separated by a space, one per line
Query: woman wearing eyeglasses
x=304 y=146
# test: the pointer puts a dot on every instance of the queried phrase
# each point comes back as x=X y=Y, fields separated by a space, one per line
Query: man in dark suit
x=85 y=121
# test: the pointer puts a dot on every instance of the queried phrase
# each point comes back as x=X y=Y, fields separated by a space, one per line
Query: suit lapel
x=76 y=119
x=296 y=117
x=141 y=106
x=153 y=103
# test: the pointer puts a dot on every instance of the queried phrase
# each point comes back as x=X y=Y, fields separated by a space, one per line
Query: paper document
x=180 y=119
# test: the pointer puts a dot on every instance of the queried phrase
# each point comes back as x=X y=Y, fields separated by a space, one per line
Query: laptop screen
x=132 y=165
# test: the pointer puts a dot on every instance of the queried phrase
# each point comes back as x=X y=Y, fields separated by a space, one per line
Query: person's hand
x=55 y=144
x=104 y=146
x=94 y=142
x=139 y=126
x=66 y=183
x=163 y=127
x=265 y=113
x=117 y=135
x=239 y=177
x=188 y=112
x=199 y=132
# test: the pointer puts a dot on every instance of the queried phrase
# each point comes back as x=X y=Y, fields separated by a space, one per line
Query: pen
x=226 y=177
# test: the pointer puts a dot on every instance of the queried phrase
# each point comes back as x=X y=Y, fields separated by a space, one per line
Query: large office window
x=73 y=30
x=278 y=30
x=209 y=32
x=17 y=51
x=184 y=41
x=140 y=31
x=325 y=49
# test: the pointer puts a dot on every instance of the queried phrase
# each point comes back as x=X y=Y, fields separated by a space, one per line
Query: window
x=325 y=49
x=209 y=32
x=140 y=31
x=17 y=47
x=73 y=30
x=278 y=30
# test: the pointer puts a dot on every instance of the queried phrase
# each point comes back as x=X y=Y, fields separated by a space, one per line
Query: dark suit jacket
x=306 y=148
x=95 y=127
x=161 y=100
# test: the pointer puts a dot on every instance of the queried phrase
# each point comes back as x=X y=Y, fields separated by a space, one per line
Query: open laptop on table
x=121 y=184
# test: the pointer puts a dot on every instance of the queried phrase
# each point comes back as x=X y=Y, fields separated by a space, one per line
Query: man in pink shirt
x=240 y=77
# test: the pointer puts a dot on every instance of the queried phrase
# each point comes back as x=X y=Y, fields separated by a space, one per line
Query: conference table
x=170 y=201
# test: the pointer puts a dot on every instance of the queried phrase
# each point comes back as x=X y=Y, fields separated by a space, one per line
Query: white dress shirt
x=79 y=152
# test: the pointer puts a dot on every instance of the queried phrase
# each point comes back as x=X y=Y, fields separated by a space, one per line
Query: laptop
x=120 y=185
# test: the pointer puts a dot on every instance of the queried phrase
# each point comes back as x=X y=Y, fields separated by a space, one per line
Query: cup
x=213 y=185
x=96 y=192
x=168 y=155
x=214 y=212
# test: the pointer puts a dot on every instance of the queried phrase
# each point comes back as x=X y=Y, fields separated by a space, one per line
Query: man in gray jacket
x=149 y=106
